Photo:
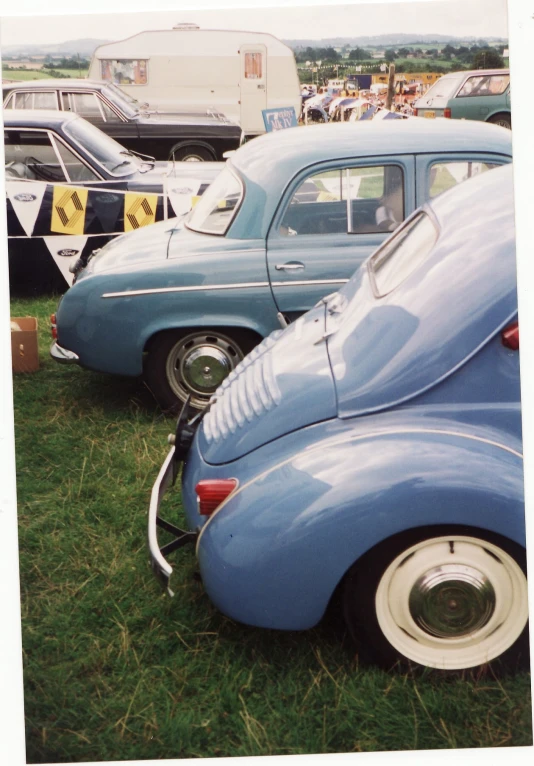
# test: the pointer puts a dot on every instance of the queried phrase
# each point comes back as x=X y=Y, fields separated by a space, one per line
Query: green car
x=483 y=94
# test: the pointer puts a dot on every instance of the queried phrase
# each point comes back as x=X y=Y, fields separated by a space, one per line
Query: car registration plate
x=431 y=115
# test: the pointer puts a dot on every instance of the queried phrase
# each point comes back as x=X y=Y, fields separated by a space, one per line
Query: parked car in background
x=289 y=219
x=184 y=137
x=372 y=451
x=70 y=188
x=483 y=94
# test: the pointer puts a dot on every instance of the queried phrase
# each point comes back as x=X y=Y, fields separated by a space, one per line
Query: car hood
x=261 y=399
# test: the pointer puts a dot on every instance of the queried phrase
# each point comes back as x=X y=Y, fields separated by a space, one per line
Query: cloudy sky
x=314 y=20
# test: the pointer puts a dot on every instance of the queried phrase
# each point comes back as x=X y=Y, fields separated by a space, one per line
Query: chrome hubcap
x=452 y=601
x=197 y=365
x=205 y=368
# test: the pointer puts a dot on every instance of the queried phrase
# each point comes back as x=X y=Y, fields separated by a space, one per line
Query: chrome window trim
x=236 y=209
x=14 y=94
x=229 y=286
x=114 y=175
x=99 y=98
x=53 y=142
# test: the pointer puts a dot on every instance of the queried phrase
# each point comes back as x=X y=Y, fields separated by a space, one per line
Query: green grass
x=36 y=74
x=114 y=669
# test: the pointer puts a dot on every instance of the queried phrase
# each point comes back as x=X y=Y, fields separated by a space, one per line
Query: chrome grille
x=248 y=392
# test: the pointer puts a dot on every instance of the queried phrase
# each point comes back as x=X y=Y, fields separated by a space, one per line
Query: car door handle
x=289 y=266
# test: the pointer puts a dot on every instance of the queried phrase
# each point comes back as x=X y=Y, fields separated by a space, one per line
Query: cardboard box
x=24 y=346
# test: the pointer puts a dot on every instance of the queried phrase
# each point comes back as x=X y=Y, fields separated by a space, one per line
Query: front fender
x=273 y=554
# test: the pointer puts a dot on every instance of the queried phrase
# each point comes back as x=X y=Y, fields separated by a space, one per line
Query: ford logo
x=107 y=198
x=67 y=252
x=24 y=197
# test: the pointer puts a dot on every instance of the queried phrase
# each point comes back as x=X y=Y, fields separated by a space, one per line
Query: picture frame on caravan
x=238 y=73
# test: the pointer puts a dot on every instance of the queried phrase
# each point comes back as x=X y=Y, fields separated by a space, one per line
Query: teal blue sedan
x=289 y=220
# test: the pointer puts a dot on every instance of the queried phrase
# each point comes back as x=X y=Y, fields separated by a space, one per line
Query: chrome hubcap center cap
x=205 y=368
x=451 y=601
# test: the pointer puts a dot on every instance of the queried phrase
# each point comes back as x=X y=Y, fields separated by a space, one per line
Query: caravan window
x=253 y=67
x=124 y=71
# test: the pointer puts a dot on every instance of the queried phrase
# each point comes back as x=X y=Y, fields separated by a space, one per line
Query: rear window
x=401 y=254
x=443 y=88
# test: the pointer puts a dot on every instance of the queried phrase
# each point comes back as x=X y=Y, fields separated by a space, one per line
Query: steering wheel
x=42 y=171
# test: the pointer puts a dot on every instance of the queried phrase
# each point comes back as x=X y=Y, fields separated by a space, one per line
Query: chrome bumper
x=63 y=355
x=160 y=566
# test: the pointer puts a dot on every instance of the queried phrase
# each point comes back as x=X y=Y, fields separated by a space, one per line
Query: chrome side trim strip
x=230 y=286
x=189 y=289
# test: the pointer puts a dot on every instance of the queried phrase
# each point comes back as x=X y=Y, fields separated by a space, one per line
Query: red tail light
x=53 y=318
x=53 y=328
x=212 y=492
x=415 y=112
x=447 y=113
x=510 y=336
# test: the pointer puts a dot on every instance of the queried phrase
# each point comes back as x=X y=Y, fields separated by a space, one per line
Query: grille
x=247 y=393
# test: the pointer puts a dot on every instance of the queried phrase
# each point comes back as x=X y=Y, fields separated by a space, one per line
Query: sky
x=455 y=17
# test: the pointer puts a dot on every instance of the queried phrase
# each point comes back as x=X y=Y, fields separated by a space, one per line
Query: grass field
x=36 y=74
x=114 y=669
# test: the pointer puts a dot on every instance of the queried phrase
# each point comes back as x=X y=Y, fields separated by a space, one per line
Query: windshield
x=105 y=150
x=129 y=105
x=444 y=89
x=401 y=254
x=217 y=207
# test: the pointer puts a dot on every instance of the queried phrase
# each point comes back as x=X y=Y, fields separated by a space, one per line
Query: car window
x=445 y=175
x=44 y=100
x=84 y=104
x=401 y=254
x=360 y=200
x=126 y=103
x=10 y=102
x=217 y=207
x=76 y=169
x=484 y=85
x=31 y=154
x=109 y=114
x=104 y=149
x=443 y=88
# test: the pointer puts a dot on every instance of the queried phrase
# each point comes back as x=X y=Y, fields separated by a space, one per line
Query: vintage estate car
x=372 y=451
x=482 y=94
x=186 y=136
x=50 y=154
x=290 y=218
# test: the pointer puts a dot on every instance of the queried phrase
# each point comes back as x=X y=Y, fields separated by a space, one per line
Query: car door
x=331 y=219
x=437 y=173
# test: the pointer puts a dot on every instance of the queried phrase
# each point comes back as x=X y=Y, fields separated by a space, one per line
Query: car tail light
x=53 y=328
x=447 y=113
x=212 y=492
x=510 y=336
x=415 y=112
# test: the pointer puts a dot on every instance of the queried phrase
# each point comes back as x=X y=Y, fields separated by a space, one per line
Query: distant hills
x=86 y=46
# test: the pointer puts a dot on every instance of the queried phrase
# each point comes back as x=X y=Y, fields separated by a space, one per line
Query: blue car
x=289 y=219
x=372 y=451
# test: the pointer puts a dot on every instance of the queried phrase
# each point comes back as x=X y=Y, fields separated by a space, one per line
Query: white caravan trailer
x=188 y=68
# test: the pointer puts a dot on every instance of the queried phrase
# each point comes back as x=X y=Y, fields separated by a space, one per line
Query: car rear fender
x=273 y=554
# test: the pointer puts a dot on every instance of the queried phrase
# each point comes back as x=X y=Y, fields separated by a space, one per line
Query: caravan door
x=253 y=87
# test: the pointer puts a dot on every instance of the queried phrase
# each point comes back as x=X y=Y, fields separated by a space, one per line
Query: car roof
x=479 y=72
x=269 y=163
x=63 y=83
x=37 y=118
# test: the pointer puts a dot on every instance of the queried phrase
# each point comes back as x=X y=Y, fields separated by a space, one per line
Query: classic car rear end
x=394 y=437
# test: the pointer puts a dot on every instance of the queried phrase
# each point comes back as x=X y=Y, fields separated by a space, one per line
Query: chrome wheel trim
x=452 y=602
x=193 y=158
x=198 y=363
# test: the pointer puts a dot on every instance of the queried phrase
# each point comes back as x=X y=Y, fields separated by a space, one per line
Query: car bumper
x=63 y=355
x=160 y=566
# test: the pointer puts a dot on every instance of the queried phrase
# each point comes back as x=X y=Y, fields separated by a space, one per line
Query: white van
x=188 y=68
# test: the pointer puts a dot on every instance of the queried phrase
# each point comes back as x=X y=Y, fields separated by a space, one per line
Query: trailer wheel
x=191 y=154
